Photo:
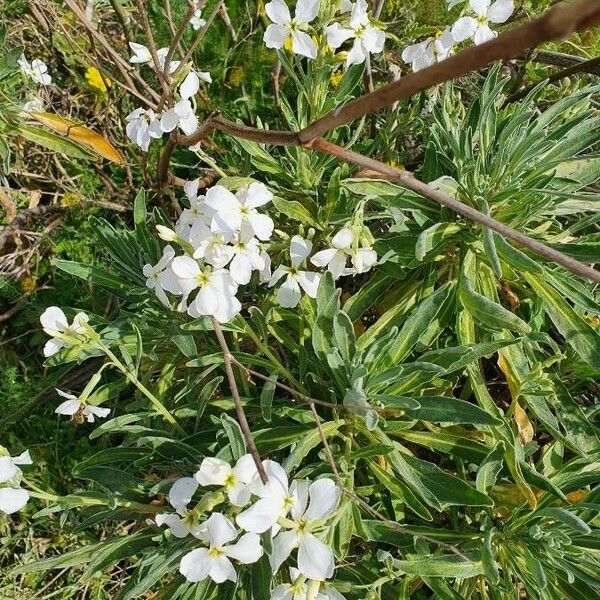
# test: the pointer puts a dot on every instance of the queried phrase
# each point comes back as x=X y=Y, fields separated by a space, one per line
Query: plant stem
x=158 y=405
x=239 y=409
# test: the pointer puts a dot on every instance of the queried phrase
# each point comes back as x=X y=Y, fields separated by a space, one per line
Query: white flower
x=212 y=247
x=214 y=561
x=315 y=559
x=142 y=55
x=430 y=51
x=73 y=406
x=234 y=212
x=191 y=84
x=34 y=105
x=182 y=115
x=180 y=495
x=161 y=278
x=246 y=258
x=265 y=274
x=284 y=27
x=368 y=39
x=343 y=246
x=12 y=497
x=142 y=127
x=216 y=296
x=289 y=293
x=197 y=22
x=235 y=480
x=37 y=70
x=55 y=324
x=478 y=27
x=276 y=498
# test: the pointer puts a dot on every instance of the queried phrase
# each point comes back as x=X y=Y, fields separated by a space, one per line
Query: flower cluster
x=224 y=236
x=285 y=31
x=294 y=515
x=12 y=496
x=144 y=125
x=474 y=24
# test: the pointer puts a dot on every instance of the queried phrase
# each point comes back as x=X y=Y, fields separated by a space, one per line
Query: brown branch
x=557 y=23
x=586 y=66
x=239 y=409
x=284 y=138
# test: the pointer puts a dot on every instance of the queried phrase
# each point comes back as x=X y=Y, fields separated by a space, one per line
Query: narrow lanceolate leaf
x=444 y=409
x=433 y=238
x=427 y=312
x=449 y=566
x=577 y=332
x=51 y=141
x=490 y=468
x=566 y=517
x=80 y=134
x=489 y=313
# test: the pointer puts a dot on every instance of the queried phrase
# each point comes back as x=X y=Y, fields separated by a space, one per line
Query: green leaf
x=448 y=566
x=564 y=516
x=51 y=141
x=92 y=274
x=266 y=397
x=489 y=313
x=578 y=334
x=343 y=334
x=434 y=238
x=295 y=211
x=235 y=436
x=444 y=409
x=490 y=468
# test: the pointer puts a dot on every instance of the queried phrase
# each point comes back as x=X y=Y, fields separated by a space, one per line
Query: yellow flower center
x=230 y=480
x=215 y=552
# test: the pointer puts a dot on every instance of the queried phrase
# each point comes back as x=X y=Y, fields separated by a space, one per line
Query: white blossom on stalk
x=73 y=406
x=276 y=499
x=368 y=39
x=430 y=51
x=478 y=27
x=142 y=127
x=182 y=115
x=285 y=28
x=214 y=562
x=315 y=559
x=36 y=70
x=183 y=521
x=212 y=247
x=343 y=246
x=246 y=258
x=197 y=22
x=297 y=279
x=161 y=278
x=55 y=324
x=12 y=497
x=236 y=212
x=235 y=480
x=216 y=293
x=142 y=56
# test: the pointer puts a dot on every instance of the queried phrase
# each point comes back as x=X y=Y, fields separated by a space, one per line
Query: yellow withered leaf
x=524 y=425
x=80 y=134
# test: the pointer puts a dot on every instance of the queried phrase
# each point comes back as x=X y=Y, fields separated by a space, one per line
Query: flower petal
x=190 y=85
x=337 y=35
x=213 y=471
x=262 y=515
x=343 y=239
x=262 y=225
x=13 y=499
x=283 y=544
x=300 y=249
x=483 y=34
x=309 y=282
x=315 y=559
x=52 y=346
x=175 y=523
x=68 y=407
x=480 y=7
x=306 y=11
x=373 y=39
x=500 y=11
x=53 y=320
x=246 y=550
x=222 y=570
x=278 y=12
x=289 y=293
x=275 y=36
x=324 y=499
x=303 y=44
x=8 y=469
x=218 y=530
x=195 y=565
x=181 y=492
x=257 y=194
x=464 y=28
x=185 y=267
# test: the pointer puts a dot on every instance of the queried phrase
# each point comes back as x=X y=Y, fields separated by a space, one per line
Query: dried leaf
x=523 y=424
x=80 y=134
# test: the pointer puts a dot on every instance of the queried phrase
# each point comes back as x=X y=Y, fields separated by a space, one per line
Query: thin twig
x=559 y=59
x=587 y=66
x=239 y=408
x=557 y=23
x=200 y=36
